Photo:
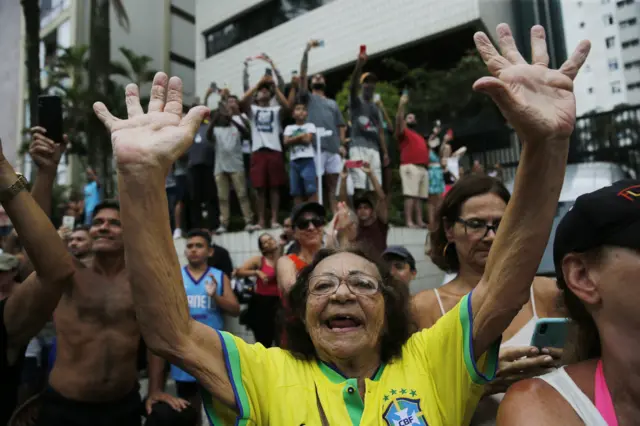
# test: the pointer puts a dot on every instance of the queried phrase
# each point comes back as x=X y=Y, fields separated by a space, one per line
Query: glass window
x=590 y=90
x=630 y=43
x=610 y=42
x=634 y=86
x=615 y=87
x=581 y=24
x=632 y=64
x=628 y=22
x=607 y=19
x=613 y=64
x=259 y=20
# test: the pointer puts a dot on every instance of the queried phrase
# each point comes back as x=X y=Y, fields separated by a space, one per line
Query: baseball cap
x=608 y=216
x=364 y=198
x=368 y=76
x=311 y=207
x=402 y=253
x=8 y=262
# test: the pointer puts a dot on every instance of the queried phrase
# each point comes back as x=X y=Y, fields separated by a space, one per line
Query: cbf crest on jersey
x=403 y=409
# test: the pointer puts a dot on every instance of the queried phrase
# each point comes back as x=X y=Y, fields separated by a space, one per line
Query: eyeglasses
x=358 y=283
x=478 y=227
x=303 y=223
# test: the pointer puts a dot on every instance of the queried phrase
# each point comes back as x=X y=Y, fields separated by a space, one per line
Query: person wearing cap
x=401 y=263
x=308 y=221
x=372 y=209
x=367 y=133
x=267 y=171
x=596 y=252
x=325 y=114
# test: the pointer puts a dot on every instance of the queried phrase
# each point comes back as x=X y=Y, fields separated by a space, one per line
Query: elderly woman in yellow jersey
x=346 y=367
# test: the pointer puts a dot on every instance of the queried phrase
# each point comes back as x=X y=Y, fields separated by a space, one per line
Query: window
x=613 y=64
x=607 y=19
x=623 y=3
x=610 y=42
x=590 y=90
x=581 y=24
x=628 y=22
x=268 y=15
x=633 y=86
x=632 y=64
x=615 y=87
x=630 y=43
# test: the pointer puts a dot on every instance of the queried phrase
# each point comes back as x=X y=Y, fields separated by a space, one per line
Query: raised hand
x=537 y=101
x=45 y=152
x=159 y=137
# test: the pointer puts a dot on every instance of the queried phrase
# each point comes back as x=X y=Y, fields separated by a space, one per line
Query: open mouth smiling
x=343 y=323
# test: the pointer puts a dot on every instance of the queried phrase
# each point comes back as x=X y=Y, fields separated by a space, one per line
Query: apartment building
x=611 y=75
x=230 y=31
x=161 y=29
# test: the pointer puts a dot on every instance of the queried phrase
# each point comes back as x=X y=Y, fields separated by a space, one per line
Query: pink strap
x=604 y=404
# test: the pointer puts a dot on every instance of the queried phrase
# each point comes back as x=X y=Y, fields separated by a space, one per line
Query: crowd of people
x=110 y=297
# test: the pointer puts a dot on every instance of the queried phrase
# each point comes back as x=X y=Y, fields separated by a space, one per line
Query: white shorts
x=415 y=181
x=371 y=156
x=330 y=164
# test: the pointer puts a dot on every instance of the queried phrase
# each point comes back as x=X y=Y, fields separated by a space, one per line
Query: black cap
x=403 y=253
x=363 y=198
x=311 y=206
x=608 y=216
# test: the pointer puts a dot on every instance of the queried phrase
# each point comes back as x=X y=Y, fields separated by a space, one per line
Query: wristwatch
x=18 y=186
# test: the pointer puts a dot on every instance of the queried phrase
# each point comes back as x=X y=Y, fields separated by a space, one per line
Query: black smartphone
x=268 y=72
x=214 y=86
x=50 y=116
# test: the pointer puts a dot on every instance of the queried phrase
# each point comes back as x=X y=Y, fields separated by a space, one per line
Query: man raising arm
x=30 y=306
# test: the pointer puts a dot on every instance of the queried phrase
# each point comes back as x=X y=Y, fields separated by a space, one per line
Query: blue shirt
x=91 y=200
x=201 y=307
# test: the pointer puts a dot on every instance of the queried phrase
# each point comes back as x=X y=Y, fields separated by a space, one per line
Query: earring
x=444 y=251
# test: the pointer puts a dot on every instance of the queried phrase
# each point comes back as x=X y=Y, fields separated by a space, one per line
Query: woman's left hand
x=523 y=362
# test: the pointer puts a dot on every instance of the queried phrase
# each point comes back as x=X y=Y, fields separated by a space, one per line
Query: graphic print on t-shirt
x=264 y=120
x=366 y=124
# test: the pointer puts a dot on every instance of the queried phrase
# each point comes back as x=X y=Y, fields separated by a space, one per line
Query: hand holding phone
x=268 y=72
x=376 y=97
x=50 y=116
x=550 y=333
x=353 y=164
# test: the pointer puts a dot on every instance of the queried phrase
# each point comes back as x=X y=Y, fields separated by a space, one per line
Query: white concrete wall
x=343 y=24
x=596 y=73
x=243 y=245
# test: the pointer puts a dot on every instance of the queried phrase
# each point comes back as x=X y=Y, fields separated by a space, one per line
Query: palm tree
x=99 y=82
x=31 y=12
x=137 y=69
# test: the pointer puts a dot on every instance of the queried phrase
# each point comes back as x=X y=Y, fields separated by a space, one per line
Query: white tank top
x=581 y=404
x=487 y=410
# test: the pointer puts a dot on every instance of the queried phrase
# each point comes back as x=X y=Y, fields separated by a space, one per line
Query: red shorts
x=267 y=169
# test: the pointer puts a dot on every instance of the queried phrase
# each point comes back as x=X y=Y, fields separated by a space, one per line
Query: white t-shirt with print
x=301 y=150
x=265 y=128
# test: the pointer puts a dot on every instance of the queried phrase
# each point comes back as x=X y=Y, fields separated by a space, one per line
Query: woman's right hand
x=262 y=276
x=522 y=362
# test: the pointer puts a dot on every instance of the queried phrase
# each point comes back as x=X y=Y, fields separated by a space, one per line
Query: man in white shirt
x=267 y=170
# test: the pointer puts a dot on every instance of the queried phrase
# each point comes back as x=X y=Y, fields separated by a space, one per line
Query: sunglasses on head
x=303 y=223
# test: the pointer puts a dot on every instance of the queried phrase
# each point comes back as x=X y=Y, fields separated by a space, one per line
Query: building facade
x=611 y=75
x=163 y=30
x=230 y=31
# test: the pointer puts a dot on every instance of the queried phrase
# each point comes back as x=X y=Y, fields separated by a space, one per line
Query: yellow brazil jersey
x=436 y=382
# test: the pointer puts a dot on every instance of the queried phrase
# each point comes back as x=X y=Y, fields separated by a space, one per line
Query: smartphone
x=376 y=97
x=405 y=92
x=320 y=43
x=213 y=86
x=550 y=333
x=268 y=72
x=363 y=49
x=69 y=222
x=50 y=116
x=294 y=73
x=353 y=164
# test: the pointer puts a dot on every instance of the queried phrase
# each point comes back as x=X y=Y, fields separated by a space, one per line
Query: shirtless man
x=80 y=244
x=94 y=380
x=30 y=305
